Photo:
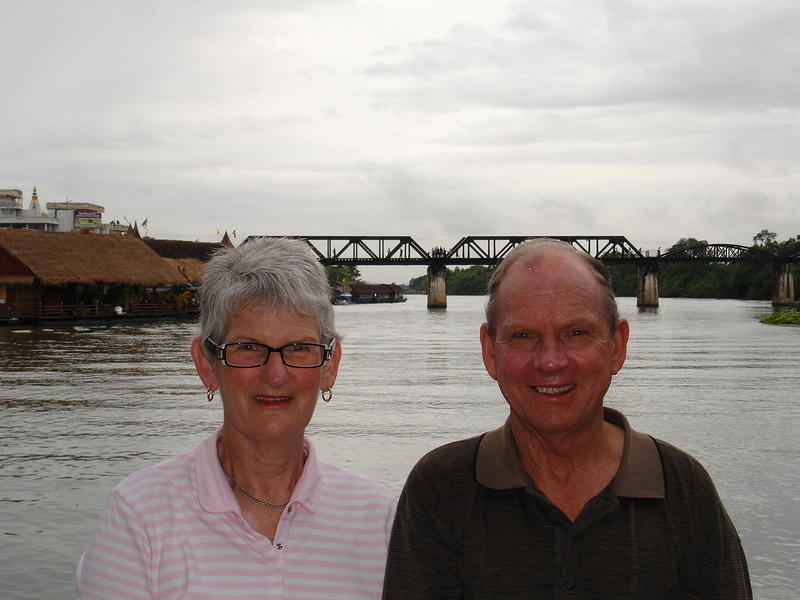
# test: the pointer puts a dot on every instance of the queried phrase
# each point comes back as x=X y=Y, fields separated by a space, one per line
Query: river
x=84 y=405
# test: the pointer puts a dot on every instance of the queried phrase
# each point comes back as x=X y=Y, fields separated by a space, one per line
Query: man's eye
x=576 y=332
x=248 y=347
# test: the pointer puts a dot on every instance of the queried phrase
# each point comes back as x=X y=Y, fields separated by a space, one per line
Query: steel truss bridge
x=489 y=250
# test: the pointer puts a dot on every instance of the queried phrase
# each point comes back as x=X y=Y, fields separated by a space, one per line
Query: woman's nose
x=274 y=371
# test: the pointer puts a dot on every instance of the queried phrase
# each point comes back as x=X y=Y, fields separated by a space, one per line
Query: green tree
x=765 y=239
x=468 y=282
x=343 y=273
x=790 y=247
x=689 y=242
x=624 y=279
x=471 y=281
x=418 y=284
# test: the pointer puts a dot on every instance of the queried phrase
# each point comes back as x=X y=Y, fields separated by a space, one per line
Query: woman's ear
x=204 y=366
x=331 y=368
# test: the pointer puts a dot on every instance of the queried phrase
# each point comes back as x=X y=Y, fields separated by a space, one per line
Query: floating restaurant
x=78 y=275
x=367 y=293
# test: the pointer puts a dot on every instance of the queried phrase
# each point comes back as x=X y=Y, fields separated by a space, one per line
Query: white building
x=60 y=216
x=14 y=215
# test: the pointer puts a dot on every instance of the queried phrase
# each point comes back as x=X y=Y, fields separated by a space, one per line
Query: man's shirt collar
x=640 y=475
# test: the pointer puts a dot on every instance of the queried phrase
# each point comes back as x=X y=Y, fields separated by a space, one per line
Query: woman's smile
x=273 y=400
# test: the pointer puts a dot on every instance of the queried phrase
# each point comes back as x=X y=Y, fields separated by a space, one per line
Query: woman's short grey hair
x=530 y=249
x=280 y=273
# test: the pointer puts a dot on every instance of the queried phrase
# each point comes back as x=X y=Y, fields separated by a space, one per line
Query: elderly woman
x=250 y=512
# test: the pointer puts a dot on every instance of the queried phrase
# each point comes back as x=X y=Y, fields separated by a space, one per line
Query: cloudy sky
x=436 y=119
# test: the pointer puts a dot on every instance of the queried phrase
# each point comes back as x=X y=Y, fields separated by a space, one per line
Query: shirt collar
x=216 y=496
x=640 y=475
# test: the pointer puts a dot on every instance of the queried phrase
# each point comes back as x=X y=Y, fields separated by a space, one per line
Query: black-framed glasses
x=247 y=355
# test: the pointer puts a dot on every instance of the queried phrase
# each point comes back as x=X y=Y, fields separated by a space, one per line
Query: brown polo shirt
x=472 y=524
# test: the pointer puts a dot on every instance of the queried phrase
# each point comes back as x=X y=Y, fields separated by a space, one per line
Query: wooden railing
x=96 y=311
x=156 y=309
x=58 y=311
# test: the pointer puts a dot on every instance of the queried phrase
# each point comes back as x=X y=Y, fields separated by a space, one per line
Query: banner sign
x=87 y=218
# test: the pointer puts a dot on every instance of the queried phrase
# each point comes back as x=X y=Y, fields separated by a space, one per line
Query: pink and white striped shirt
x=175 y=530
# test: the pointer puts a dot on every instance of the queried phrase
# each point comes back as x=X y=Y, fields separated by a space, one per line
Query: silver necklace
x=247 y=492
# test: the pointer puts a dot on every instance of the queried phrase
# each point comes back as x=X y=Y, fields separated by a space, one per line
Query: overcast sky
x=655 y=120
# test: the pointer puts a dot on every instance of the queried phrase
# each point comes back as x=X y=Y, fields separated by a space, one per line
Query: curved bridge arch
x=718 y=253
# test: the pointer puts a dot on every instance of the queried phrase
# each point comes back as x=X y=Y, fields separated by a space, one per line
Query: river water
x=84 y=405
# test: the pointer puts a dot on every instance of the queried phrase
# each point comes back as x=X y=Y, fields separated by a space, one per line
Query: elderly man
x=565 y=500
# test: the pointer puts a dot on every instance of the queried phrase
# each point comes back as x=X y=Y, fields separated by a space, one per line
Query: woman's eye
x=297 y=347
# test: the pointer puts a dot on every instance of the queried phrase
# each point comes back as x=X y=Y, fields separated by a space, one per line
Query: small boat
x=343 y=298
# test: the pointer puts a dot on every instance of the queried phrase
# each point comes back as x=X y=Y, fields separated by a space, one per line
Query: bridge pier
x=783 y=290
x=647 y=273
x=437 y=287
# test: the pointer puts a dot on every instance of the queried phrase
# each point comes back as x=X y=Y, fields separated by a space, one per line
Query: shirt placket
x=565 y=584
x=273 y=553
x=281 y=545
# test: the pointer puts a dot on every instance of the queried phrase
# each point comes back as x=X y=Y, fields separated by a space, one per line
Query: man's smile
x=554 y=389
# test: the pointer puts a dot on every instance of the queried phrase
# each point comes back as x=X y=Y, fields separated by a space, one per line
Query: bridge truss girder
x=367 y=250
x=469 y=250
x=490 y=250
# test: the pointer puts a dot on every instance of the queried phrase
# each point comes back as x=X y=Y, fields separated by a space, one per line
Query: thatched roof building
x=187 y=257
x=28 y=257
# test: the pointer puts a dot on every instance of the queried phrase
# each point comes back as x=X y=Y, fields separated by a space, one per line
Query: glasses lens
x=245 y=355
x=303 y=355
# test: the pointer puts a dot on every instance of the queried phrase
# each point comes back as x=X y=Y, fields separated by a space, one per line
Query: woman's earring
x=210 y=394
x=327 y=395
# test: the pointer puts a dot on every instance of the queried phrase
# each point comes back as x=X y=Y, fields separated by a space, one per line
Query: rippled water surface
x=84 y=405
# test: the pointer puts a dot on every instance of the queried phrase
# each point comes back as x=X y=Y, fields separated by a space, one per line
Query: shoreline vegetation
x=783 y=318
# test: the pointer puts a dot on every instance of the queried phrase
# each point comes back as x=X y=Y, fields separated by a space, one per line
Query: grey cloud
x=431 y=207
x=704 y=56
x=582 y=117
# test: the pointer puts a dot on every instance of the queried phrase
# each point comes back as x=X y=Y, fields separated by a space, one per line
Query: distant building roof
x=62 y=258
x=364 y=288
x=187 y=257
x=182 y=248
x=74 y=206
x=11 y=197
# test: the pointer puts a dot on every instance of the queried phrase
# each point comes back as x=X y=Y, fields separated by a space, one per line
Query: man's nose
x=550 y=356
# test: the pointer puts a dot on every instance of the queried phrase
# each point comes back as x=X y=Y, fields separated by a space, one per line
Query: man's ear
x=620 y=344
x=487 y=350
x=204 y=366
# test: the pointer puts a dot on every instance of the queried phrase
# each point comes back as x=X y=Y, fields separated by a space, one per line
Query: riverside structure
x=490 y=250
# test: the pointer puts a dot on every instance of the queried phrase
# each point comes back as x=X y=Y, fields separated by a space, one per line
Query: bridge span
x=490 y=250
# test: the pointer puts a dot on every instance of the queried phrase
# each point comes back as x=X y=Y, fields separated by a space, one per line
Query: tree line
x=741 y=281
